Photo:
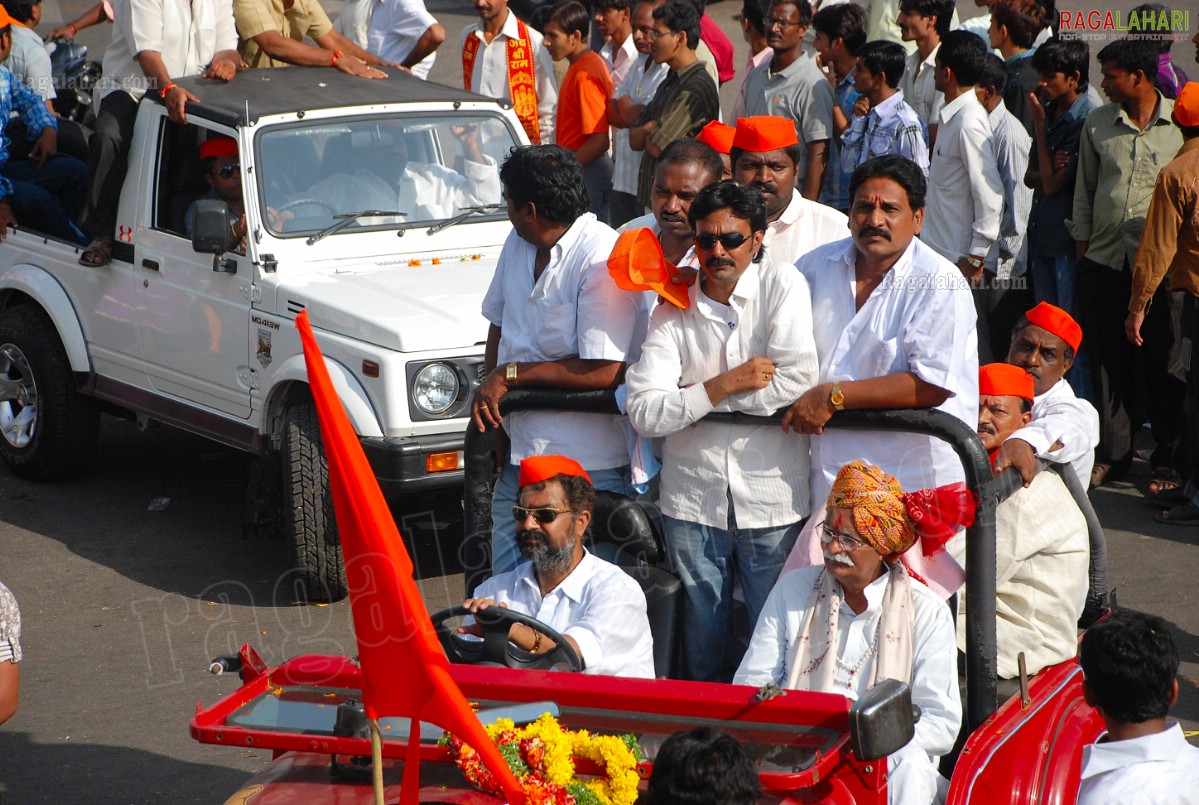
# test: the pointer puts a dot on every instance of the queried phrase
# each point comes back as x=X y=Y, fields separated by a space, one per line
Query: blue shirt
x=1047 y=234
x=16 y=97
x=834 y=190
x=892 y=127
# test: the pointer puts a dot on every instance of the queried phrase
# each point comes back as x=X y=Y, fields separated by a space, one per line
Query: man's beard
x=535 y=546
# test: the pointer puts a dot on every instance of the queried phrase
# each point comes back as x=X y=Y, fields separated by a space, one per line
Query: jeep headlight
x=435 y=388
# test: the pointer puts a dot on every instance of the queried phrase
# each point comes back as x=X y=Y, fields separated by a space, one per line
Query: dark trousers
x=622 y=208
x=1190 y=333
x=47 y=198
x=107 y=162
x=1132 y=385
x=597 y=178
x=999 y=304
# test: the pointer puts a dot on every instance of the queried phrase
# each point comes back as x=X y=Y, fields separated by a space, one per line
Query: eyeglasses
x=228 y=171
x=782 y=25
x=542 y=514
x=848 y=543
x=653 y=34
x=729 y=240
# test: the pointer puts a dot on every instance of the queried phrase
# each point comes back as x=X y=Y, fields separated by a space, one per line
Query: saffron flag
x=404 y=670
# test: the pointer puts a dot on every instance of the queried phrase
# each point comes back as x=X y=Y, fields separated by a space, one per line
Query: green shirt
x=1117 y=168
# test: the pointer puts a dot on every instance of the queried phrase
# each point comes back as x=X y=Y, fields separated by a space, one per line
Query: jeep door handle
x=150 y=264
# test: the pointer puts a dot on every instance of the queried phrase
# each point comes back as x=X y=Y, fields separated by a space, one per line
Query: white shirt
x=619 y=59
x=186 y=34
x=598 y=605
x=768 y=315
x=919 y=89
x=395 y=28
x=573 y=310
x=934 y=681
x=354 y=21
x=1012 y=147
x=29 y=61
x=1059 y=416
x=425 y=191
x=919 y=319
x=640 y=83
x=1161 y=769
x=490 y=75
x=803 y=226
x=1043 y=552
x=965 y=195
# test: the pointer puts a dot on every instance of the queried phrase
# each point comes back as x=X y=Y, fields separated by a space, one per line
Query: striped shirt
x=892 y=127
x=834 y=191
x=685 y=102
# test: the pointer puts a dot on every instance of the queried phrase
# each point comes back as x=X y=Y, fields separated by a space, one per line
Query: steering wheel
x=305 y=200
x=495 y=648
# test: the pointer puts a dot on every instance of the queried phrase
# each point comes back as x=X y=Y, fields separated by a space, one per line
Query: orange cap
x=1004 y=380
x=6 y=18
x=718 y=135
x=542 y=468
x=637 y=264
x=1186 y=105
x=218 y=147
x=765 y=133
x=1056 y=321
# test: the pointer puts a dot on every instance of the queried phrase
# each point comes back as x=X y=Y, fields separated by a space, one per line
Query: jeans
x=48 y=199
x=704 y=558
x=505 y=555
x=1054 y=282
x=597 y=178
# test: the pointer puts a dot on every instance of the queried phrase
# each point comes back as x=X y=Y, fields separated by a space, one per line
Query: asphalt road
x=123 y=606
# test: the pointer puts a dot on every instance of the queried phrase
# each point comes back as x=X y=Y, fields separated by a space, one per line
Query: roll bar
x=981 y=643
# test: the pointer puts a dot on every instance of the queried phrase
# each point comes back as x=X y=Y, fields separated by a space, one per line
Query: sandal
x=1186 y=514
x=1165 y=479
x=1099 y=474
x=97 y=254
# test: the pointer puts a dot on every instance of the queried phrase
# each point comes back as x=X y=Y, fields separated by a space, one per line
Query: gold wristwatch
x=510 y=373
x=974 y=261
x=836 y=396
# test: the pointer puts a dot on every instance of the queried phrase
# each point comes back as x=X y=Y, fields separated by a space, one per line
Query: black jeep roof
x=294 y=89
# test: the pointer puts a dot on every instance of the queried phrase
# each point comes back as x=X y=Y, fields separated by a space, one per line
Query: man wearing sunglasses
x=598 y=608
x=766 y=155
x=733 y=496
x=219 y=163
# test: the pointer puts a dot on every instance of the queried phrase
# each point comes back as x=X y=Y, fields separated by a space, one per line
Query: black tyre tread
x=308 y=507
x=64 y=448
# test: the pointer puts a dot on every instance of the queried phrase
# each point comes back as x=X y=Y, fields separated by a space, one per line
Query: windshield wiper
x=345 y=219
x=466 y=212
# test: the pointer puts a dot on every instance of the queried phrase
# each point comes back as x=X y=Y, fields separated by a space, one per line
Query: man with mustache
x=1041 y=542
x=895 y=328
x=1064 y=429
x=685 y=168
x=733 y=496
x=593 y=604
x=766 y=156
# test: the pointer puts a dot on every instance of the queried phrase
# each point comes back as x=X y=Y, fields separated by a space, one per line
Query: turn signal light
x=443 y=462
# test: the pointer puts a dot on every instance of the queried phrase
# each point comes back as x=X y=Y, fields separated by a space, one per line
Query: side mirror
x=210 y=227
x=883 y=721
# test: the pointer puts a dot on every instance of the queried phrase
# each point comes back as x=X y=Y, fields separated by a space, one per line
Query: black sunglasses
x=729 y=240
x=228 y=171
x=542 y=514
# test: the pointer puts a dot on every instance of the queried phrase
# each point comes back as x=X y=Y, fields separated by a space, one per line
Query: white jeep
x=182 y=330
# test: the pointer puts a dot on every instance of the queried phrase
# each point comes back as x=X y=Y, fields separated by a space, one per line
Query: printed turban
x=765 y=133
x=890 y=519
x=1057 y=321
x=1005 y=380
x=542 y=468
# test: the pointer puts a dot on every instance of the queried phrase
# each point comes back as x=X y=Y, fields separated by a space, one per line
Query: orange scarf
x=521 y=79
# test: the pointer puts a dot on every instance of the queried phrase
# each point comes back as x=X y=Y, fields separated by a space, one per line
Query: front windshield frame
x=412 y=120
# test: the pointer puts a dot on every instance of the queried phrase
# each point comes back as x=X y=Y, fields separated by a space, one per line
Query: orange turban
x=1005 y=380
x=1057 y=321
x=543 y=468
x=718 y=135
x=218 y=147
x=890 y=519
x=765 y=133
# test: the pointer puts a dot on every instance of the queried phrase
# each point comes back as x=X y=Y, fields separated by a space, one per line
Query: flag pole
x=377 y=760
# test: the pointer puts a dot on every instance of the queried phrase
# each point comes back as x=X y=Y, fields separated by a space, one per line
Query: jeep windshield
x=395 y=172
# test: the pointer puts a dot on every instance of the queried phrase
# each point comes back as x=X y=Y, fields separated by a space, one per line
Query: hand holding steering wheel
x=495 y=648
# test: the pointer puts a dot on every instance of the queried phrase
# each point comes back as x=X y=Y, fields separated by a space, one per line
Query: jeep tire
x=48 y=431
x=308 y=507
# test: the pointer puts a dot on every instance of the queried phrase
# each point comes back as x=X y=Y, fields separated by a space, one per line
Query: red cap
x=637 y=264
x=1004 y=380
x=765 y=133
x=1186 y=105
x=1057 y=321
x=718 y=135
x=542 y=468
x=218 y=147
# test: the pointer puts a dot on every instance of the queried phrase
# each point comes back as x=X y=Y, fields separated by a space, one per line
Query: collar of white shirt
x=1164 y=746
x=958 y=104
x=572 y=586
x=747 y=288
x=888 y=107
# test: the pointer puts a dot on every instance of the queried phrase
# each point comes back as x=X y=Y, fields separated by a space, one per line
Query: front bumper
x=400 y=464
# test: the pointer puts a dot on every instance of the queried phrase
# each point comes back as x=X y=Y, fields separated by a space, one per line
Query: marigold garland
x=541 y=755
